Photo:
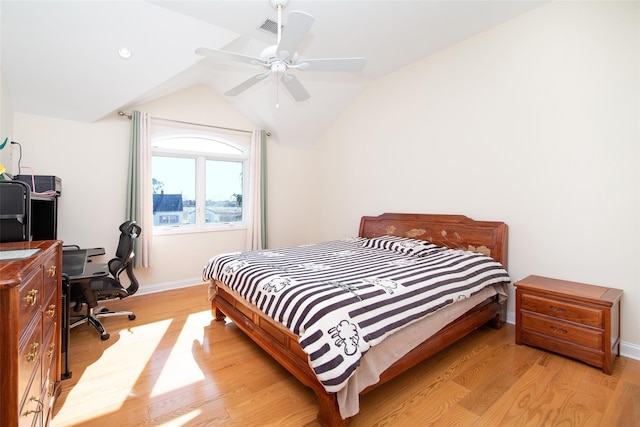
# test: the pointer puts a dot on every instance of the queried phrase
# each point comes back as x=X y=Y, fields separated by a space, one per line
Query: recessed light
x=124 y=53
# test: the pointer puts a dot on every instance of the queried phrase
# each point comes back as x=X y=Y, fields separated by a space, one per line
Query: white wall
x=534 y=122
x=292 y=194
x=92 y=161
x=6 y=123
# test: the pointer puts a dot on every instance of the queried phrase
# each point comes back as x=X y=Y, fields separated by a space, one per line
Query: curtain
x=139 y=206
x=257 y=230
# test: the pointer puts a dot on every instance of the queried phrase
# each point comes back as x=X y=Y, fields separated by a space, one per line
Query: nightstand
x=574 y=319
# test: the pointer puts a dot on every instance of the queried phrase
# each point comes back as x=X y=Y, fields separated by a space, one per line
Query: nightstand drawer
x=564 y=331
x=562 y=310
x=575 y=319
x=588 y=355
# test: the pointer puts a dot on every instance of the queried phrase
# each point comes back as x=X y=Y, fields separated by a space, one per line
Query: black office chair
x=90 y=291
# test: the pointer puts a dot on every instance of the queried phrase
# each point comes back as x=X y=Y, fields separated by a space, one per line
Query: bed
x=375 y=356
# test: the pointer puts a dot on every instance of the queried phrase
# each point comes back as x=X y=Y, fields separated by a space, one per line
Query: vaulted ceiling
x=60 y=58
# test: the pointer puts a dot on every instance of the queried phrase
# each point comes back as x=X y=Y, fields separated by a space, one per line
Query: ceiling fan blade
x=295 y=88
x=246 y=84
x=223 y=54
x=331 y=64
x=298 y=25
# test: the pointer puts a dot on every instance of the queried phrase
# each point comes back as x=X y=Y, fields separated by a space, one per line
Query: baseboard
x=167 y=286
x=630 y=350
x=511 y=317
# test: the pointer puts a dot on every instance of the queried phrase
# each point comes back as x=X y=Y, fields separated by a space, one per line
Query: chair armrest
x=93 y=269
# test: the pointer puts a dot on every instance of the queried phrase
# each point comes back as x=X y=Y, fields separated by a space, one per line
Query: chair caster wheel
x=132 y=317
x=104 y=337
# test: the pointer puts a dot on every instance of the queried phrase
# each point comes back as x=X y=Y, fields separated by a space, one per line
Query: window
x=198 y=181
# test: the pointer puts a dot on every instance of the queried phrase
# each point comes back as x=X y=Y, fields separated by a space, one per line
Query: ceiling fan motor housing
x=270 y=54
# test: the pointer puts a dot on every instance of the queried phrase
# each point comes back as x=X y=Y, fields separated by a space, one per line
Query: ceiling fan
x=282 y=57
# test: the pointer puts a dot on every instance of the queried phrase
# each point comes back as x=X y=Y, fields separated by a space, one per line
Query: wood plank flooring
x=174 y=366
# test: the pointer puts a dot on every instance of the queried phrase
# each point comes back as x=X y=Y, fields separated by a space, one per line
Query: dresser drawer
x=562 y=310
x=49 y=368
x=50 y=270
x=49 y=311
x=31 y=407
x=28 y=360
x=30 y=298
x=564 y=331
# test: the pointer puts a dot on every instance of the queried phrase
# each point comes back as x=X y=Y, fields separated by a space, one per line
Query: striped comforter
x=345 y=296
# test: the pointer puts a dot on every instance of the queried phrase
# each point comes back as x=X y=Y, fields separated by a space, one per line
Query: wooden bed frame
x=454 y=231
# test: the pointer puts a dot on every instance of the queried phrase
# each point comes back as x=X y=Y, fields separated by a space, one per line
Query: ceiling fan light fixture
x=278 y=68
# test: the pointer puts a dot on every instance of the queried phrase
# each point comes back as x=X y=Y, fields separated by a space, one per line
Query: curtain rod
x=128 y=115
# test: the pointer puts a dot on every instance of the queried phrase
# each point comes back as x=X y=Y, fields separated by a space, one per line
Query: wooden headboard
x=452 y=231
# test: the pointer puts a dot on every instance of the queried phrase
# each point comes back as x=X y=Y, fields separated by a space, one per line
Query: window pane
x=196 y=144
x=174 y=190
x=223 y=191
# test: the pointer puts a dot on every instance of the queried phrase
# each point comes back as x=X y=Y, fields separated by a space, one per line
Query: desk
x=76 y=265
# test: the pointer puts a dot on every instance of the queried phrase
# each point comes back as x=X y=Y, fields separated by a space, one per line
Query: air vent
x=270 y=26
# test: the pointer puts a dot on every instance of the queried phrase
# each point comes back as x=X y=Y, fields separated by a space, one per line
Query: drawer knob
x=558 y=330
x=31 y=297
x=51 y=311
x=557 y=309
x=51 y=388
x=52 y=348
x=31 y=356
x=52 y=271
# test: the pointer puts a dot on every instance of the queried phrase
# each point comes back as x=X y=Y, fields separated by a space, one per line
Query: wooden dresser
x=574 y=319
x=30 y=316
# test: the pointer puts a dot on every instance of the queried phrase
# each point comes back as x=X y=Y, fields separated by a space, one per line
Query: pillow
x=402 y=245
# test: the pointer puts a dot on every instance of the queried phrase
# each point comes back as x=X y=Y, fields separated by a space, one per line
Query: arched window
x=199 y=181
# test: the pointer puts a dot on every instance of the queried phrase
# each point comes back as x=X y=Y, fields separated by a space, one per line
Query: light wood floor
x=175 y=366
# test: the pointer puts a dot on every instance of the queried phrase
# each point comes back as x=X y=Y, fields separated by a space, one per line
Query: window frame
x=201 y=226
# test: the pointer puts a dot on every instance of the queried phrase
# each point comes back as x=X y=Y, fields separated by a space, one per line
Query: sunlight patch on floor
x=181 y=369
x=182 y=420
x=134 y=347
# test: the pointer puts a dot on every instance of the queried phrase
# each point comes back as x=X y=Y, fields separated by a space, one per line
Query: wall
x=92 y=161
x=534 y=122
x=292 y=195
x=6 y=123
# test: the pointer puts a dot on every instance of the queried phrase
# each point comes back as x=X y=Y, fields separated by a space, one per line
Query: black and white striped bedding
x=345 y=296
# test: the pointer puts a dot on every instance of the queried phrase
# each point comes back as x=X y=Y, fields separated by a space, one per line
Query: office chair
x=89 y=291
